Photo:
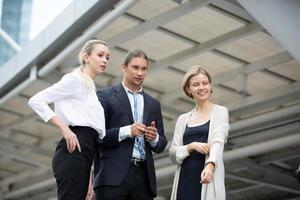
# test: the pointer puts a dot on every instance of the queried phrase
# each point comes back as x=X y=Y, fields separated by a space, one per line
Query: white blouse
x=74 y=103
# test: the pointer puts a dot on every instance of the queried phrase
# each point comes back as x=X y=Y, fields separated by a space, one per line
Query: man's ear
x=123 y=67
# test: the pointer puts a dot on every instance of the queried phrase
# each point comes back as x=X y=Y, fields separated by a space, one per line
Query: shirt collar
x=128 y=90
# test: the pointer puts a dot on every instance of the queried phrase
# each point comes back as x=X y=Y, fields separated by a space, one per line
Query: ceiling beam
x=293 y=198
x=90 y=32
x=266 y=176
x=48 y=195
x=22 y=119
x=203 y=47
x=241 y=87
x=265 y=120
x=266 y=183
x=30 y=188
x=244 y=189
x=233 y=74
x=27 y=147
x=230 y=57
x=178 y=1
x=162 y=29
x=200 y=48
x=268 y=99
x=283 y=166
x=270 y=178
x=57 y=36
x=157 y=21
x=278 y=76
x=244 y=63
x=286 y=155
x=242 y=152
x=23 y=158
x=262 y=147
x=233 y=9
x=170 y=169
x=23 y=175
x=252 y=135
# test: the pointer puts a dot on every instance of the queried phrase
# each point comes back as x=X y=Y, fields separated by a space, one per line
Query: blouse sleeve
x=177 y=151
x=220 y=134
x=61 y=90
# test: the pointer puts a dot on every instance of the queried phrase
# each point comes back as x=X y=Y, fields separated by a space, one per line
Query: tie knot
x=135 y=93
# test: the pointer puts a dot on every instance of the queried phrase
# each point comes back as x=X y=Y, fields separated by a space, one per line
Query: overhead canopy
x=252 y=74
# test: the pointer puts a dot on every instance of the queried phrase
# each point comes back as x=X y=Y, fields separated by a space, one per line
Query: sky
x=43 y=12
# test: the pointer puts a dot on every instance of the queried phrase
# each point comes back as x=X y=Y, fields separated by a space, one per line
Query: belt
x=137 y=162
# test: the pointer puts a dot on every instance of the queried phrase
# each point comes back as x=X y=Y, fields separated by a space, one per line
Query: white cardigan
x=217 y=136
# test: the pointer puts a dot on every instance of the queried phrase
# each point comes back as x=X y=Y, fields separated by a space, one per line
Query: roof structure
x=253 y=75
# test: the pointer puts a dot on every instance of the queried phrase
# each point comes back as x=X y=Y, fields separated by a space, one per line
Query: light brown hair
x=135 y=53
x=193 y=71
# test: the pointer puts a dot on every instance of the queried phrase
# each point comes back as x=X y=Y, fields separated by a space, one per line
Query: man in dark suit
x=134 y=128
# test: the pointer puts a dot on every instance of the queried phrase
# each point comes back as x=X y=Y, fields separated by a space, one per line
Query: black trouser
x=135 y=186
x=72 y=170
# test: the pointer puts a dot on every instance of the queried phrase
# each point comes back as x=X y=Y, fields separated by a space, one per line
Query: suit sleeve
x=162 y=140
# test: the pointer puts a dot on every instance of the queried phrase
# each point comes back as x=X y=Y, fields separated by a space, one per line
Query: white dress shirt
x=75 y=102
x=125 y=131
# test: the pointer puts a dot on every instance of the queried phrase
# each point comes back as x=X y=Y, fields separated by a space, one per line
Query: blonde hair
x=88 y=47
x=193 y=71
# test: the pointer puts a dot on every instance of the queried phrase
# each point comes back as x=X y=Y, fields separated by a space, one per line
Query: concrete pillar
x=280 y=18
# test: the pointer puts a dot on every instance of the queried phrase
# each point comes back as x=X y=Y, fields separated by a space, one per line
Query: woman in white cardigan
x=199 y=139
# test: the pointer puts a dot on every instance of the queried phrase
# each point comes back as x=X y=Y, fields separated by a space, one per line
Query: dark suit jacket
x=113 y=159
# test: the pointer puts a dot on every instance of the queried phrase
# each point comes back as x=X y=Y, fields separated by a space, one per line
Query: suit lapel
x=121 y=95
x=147 y=108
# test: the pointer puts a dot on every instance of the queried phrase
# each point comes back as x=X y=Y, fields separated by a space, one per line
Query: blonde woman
x=80 y=118
x=198 y=142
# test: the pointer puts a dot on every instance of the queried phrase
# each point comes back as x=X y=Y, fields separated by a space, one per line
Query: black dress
x=189 y=186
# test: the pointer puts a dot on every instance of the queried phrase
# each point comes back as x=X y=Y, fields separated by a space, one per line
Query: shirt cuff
x=155 y=141
x=48 y=116
x=124 y=132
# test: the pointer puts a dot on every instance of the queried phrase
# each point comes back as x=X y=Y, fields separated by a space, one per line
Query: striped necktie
x=139 y=140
